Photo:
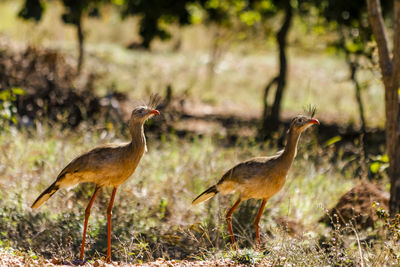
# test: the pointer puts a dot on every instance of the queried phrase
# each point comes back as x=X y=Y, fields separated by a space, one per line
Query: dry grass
x=152 y=214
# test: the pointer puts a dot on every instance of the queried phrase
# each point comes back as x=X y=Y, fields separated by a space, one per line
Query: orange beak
x=155 y=112
x=313 y=121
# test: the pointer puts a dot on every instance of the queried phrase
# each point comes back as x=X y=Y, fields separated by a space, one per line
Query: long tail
x=206 y=195
x=45 y=196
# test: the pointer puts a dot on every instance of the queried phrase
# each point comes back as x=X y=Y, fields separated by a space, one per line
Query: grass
x=153 y=217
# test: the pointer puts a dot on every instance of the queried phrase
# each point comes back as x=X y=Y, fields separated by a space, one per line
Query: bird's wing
x=248 y=169
x=89 y=160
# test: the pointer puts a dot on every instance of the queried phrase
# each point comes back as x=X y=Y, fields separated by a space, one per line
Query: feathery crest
x=310 y=110
x=154 y=101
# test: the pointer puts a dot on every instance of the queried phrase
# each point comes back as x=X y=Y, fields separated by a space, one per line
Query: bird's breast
x=263 y=188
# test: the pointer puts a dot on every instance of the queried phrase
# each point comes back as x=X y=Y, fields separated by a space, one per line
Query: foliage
x=155 y=15
x=73 y=9
x=8 y=110
x=32 y=9
x=350 y=19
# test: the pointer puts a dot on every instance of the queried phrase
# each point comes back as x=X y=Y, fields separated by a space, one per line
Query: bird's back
x=107 y=165
x=259 y=177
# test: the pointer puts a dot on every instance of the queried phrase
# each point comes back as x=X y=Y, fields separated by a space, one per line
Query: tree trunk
x=353 y=72
x=271 y=115
x=394 y=204
x=390 y=69
x=81 y=37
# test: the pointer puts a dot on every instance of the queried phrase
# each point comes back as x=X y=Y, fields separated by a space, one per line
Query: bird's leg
x=229 y=221
x=257 y=221
x=87 y=214
x=109 y=213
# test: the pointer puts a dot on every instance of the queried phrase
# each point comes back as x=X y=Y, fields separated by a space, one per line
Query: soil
x=9 y=260
x=358 y=206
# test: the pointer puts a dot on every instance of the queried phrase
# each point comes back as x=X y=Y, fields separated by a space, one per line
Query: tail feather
x=45 y=196
x=206 y=195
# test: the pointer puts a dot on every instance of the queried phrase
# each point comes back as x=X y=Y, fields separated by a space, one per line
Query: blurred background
x=232 y=74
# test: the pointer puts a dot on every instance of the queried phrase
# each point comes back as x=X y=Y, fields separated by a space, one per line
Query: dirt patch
x=292 y=227
x=357 y=206
x=10 y=260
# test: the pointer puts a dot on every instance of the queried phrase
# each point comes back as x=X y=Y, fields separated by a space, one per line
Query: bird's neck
x=290 y=150
x=138 y=142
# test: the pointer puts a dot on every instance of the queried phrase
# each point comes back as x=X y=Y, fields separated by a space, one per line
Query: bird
x=109 y=165
x=260 y=177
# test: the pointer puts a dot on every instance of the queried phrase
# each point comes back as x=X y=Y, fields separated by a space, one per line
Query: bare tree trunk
x=81 y=37
x=271 y=115
x=353 y=72
x=390 y=69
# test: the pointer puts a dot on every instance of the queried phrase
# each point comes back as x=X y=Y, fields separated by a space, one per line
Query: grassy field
x=152 y=216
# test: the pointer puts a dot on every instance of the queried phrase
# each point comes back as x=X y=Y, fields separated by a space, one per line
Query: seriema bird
x=260 y=177
x=108 y=165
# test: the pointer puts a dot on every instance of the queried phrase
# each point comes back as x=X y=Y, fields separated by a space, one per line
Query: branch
x=378 y=28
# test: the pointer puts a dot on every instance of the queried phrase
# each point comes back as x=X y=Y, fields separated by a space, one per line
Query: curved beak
x=154 y=112
x=313 y=121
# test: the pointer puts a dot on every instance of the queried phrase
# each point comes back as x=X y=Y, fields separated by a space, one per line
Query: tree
x=350 y=21
x=73 y=14
x=239 y=15
x=390 y=70
x=155 y=13
x=271 y=114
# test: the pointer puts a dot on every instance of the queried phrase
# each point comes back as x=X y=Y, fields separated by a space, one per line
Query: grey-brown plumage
x=107 y=165
x=260 y=177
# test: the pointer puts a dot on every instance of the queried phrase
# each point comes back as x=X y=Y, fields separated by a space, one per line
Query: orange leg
x=87 y=214
x=258 y=220
x=109 y=213
x=229 y=221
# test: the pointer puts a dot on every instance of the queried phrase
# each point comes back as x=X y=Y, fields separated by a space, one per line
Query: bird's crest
x=154 y=101
x=311 y=110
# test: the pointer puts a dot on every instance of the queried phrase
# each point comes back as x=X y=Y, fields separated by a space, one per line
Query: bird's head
x=301 y=122
x=141 y=113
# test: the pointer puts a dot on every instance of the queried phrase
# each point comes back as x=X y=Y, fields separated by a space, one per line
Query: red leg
x=258 y=220
x=87 y=214
x=109 y=213
x=229 y=220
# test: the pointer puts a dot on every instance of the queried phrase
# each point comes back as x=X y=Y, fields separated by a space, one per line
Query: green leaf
x=333 y=140
x=384 y=158
x=374 y=167
x=18 y=91
x=250 y=17
x=5 y=95
x=118 y=2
